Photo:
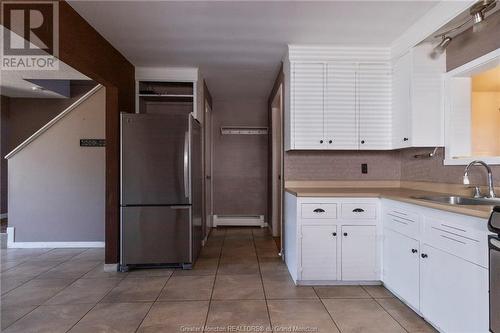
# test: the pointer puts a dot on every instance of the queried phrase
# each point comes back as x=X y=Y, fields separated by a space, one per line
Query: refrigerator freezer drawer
x=156 y=235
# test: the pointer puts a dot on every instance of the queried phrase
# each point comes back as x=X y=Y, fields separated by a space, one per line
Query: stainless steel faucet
x=491 y=185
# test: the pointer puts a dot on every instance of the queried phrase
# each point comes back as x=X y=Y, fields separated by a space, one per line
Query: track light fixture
x=477 y=16
x=441 y=47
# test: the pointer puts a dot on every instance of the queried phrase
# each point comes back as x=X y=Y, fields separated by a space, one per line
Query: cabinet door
x=319 y=253
x=341 y=126
x=374 y=104
x=454 y=292
x=359 y=253
x=401 y=102
x=401 y=266
x=307 y=107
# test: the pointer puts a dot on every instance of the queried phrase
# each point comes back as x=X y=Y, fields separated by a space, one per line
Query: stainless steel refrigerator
x=161 y=190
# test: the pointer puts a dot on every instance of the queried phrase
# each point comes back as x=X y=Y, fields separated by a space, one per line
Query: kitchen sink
x=460 y=201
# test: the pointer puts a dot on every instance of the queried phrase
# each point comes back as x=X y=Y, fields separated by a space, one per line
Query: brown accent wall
x=342 y=165
x=240 y=161
x=84 y=49
x=468 y=45
x=4 y=113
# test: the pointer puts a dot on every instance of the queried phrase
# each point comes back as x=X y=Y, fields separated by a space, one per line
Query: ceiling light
x=478 y=17
x=441 y=47
x=37 y=88
x=478 y=10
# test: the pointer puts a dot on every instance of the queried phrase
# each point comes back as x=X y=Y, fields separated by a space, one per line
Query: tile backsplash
x=433 y=170
x=382 y=165
x=342 y=165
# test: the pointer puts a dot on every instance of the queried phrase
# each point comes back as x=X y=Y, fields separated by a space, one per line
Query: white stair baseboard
x=11 y=244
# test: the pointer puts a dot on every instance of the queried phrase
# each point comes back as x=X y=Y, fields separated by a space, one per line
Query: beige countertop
x=396 y=193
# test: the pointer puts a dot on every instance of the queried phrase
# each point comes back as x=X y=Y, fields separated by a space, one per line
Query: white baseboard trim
x=233 y=220
x=11 y=244
x=3 y=216
x=109 y=268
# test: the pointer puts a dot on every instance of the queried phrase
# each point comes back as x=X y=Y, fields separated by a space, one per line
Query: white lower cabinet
x=440 y=267
x=454 y=292
x=401 y=266
x=359 y=252
x=319 y=252
x=434 y=261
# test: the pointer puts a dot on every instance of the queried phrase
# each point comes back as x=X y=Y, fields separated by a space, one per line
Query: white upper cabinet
x=308 y=104
x=355 y=98
x=341 y=121
x=418 y=117
x=401 y=102
x=374 y=104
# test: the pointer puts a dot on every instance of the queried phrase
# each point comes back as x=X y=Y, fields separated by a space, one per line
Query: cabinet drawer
x=402 y=221
x=458 y=240
x=359 y=211
x=318 y=211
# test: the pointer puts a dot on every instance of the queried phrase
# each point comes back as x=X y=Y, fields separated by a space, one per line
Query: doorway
x=208 y=169
x=277 y=165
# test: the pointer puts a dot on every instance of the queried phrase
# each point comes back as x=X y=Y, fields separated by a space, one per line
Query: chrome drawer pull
x=319 y=210
x=358 y=210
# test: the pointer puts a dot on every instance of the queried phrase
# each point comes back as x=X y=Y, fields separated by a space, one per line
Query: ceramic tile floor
x=238 y=283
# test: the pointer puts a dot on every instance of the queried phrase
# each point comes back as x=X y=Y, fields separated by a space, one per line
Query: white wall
x=57 y=188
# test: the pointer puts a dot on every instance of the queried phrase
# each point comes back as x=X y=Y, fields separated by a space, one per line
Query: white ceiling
x=238 y=45
x=15 y=84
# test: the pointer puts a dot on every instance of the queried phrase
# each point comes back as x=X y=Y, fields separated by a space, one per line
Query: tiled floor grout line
x=153 y=303
x=374 y=299
x=98 y=302
x=26 y=260
x=215 y=279
x=262 y=282
x=326 y=309
x=397 y=321
x=39 y=305
x=34 y=277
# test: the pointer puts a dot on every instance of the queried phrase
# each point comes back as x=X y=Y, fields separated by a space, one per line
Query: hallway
x=237 y=281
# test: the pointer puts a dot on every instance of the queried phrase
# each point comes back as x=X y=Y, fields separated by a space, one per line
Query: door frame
x=278 y=88
x=208 y=201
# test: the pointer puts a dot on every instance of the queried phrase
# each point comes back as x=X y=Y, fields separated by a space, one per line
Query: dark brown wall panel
x=84 y=49
x=4 y=113
x=468 y=45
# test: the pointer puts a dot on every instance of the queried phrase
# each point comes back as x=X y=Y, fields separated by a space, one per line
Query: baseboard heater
x=240 y=220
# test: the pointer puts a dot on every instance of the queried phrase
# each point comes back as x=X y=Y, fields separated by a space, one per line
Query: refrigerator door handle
x=186 y=165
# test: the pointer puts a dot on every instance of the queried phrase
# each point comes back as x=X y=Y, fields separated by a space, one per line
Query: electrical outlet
x=364 y=168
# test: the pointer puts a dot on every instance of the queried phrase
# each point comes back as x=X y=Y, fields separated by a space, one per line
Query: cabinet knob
x=423 y=255
x=320 y=141
x=362 y=142
x=330 y=142
x=334 y=234
x=405 y=139
x=345 y=233
x=414 y=251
